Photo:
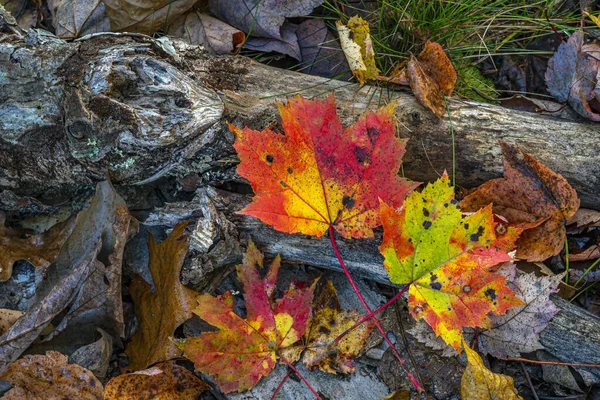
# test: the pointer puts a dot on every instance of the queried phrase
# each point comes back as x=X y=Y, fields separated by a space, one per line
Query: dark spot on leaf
x=425 y=212
x=466 y=226
x=426 y=224
x=446 y=205
x=500 y=229
x=418 y=309
x=454 y=201
x=433 y=277
x=332 y=322
x=290 y=170
x=324 y=330
x=361 y=154
x=282 y=183
x=269 y=158
x=466 y=288
x=348 y=202
x=436 y=285
x=373 y=134
x=491 y=293
x=475 y=237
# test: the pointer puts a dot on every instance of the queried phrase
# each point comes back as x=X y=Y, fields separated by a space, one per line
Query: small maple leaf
x=318 y=174
x=447 y=260
x=327 y=322
x=531 y=196
x=162 y=311
x=245 y=350
x=479 y=383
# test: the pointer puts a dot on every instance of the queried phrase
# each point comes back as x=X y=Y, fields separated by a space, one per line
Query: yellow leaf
x=358 y=48
x=594 y=18
x=479 y=383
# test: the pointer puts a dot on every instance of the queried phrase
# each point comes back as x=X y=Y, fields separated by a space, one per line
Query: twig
x=301 y=377
x=281 y=383
x=529 y=381
x=366 y=306
x=554 y=363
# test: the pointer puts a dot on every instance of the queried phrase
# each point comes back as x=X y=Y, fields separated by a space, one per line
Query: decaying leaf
x=326 y=323
x=72 y=19
x=40 y=250
x=8 y=319
x=531 y=196
x=355 y=40
x=262 y=18
x=479 y=383
x=318 y=174
x=519 y=329
x=164 y=381
x=321 y=52
x=160 y=311
x=572 y=75
x=431 y=77
x=95 y=356
x=50 y=377
x=144 y=16
x=245 y=350
x=287 y=44
x=202 y=29
x=424 y=334
x=447 y=260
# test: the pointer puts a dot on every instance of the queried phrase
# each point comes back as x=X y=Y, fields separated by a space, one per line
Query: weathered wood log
x=138 y=109
x=142 y=111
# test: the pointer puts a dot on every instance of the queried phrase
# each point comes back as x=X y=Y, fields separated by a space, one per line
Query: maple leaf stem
x=372 y=314
x=281 y=384
x=300 y=376
x=366 y=306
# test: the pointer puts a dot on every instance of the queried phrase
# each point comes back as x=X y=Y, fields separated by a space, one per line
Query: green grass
x=468 y=30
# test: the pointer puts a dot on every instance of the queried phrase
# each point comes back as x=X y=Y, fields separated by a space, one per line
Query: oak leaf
x=8 y=318
x=318 y=174
x=479 y=383
x=327 y=322
x=531 y=196
x=164 y=381
x=447 y=260
x=50 y=377
x=162 y=311
x=245 y=350
x=38 y=249
x=356 y=44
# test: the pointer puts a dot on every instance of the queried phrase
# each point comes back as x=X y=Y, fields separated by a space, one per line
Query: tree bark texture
x=142 y=112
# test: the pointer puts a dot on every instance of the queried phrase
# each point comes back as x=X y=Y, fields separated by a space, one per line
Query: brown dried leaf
x=531 y=196
x=8 y=318
x=40 y=250
x=479 y=383
x=145 y=16
x=431 y=77
x=50 y=377
x=160 y=311
x=95 y=356
x=202 y=29
x=165 y=381
x=327 y=322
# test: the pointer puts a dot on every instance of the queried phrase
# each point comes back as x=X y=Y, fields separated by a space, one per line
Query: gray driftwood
x=144 y=112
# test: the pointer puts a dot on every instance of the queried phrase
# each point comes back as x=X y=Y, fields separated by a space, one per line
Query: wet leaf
x=479 y=383
x=572 y=75
x=72 y=19
x=355 y=40
x=431 y=77
x=321 y=52
x=245 y=350
x=50 y=377
x=531 y=196
x=95 y=356
x=262 y=18
x=447 y=259
x=319 y=174
x=8 y=318
x=160 y=311
x=287 y=44
x=145 y=17
x=519 y=329
x=202 y=29
x=40 y=250
x=327 y=322
x=164 y=381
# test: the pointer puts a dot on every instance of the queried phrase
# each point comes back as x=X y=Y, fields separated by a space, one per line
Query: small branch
x=300 y=376
x=529 y=381
x=366 y=306
x=372 y=314
x=281 y=383
x=554 y=363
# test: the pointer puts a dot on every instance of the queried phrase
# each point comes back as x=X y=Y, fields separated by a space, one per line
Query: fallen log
x=144 y=111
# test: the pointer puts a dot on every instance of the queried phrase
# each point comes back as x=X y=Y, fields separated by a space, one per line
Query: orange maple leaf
x=319 y=175
x=446 y=259
x=245 y=350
